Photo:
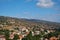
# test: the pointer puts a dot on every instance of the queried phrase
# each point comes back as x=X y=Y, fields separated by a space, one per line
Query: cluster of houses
x=24 y=31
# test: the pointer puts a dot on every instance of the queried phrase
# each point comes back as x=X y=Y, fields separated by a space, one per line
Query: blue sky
x=32 y=9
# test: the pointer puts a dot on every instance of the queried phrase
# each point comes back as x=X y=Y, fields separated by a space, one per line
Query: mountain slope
x=9 y=22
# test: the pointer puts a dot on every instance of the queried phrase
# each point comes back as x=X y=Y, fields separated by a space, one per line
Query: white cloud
x=52 y=17
x=45 y=3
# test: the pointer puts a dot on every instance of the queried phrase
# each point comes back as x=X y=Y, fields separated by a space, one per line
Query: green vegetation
x=16 y=37
x=30 y=37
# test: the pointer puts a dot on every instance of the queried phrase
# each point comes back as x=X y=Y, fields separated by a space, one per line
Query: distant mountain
x=10 y=22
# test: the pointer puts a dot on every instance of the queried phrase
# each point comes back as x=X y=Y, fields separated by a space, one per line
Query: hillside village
x=23 y=29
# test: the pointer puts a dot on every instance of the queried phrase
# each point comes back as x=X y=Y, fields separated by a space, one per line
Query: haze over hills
x=10 y=22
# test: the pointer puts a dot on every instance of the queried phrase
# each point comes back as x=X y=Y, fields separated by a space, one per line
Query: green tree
x=16 y=37
x=25 y=38
x=29 y=36
x=36 y=37
x=6 y=34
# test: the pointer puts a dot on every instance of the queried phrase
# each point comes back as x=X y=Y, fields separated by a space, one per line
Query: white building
x=2 y=37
